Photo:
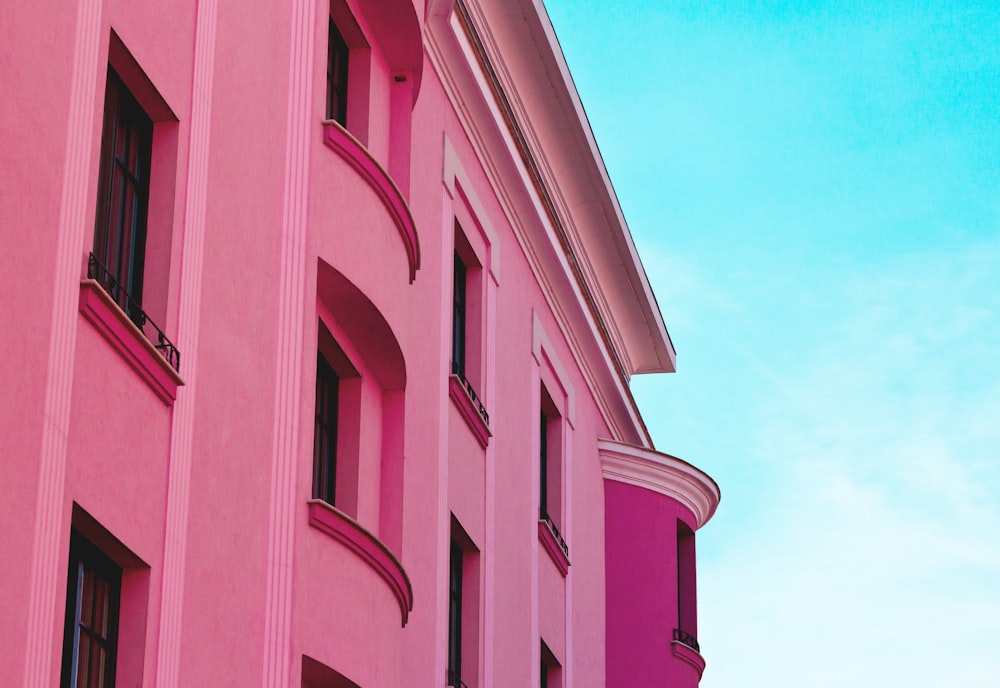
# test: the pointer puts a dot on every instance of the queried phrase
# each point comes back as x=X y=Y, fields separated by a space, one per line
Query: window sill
x=467 y=408
x=689 y=655
x=358 y=157
x=345 y=530
x=122 y=334
x=547 y=536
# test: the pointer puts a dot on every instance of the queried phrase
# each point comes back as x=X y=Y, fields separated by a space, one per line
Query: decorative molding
x=100 y=310
x=457 y=183
x=689 y=655
x=48 y=564
x=453 y=54
x=177 y=521
x=549 y=544
x=542 y=351
x=277 y=640
x=358 y=157
x=663 y=474
x=345 y=530
x=470 y=414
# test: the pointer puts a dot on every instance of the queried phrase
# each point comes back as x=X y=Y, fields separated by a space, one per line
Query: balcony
x=133 y=310
x=121 y=321
x=469 y=405
x=686 y=638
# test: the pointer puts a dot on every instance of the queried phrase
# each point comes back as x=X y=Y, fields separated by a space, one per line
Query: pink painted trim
x=689 y=655
x=112 y=324
x=354 y=152
x=456 y=390
x=549 y=544
x=345 y=530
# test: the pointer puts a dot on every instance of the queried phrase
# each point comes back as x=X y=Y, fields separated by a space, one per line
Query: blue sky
x=815 y=190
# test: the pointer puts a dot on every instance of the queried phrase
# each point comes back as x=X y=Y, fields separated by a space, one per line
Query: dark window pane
x=93 y=590
x=458 y=318
x=543 y=466
x=336 y=77
x=123 y=190
x=325 y=437
x=455 y=615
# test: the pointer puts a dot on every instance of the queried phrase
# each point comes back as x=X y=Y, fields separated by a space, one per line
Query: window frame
x=125 y=125
x=326 y=431
x=550 y=460
x=337 y=75
x=550 y=668
x=342 y=371
x=555 y=415
x=455 y=574
x=459 y=316
x=686 y=631
x=86 y=557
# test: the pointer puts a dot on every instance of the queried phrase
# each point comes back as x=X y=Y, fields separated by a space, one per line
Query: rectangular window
x=336 y=77
x=90 y=639
x=543 y=466
x=549 y=461
x=123 y=197
x=325 y=437
x=455 y=616
x=551 y=670
x=687 y=622
x=458 y=318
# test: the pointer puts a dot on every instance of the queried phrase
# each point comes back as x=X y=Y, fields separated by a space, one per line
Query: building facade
x=319 y=322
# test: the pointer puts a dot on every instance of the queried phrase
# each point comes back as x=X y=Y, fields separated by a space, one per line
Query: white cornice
x=452 y=59
x=661 y=473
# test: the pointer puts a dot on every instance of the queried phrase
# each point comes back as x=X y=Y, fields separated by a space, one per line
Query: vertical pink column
x=489 y=554
x=47 y=565
x=179 y=471
x=288 y=367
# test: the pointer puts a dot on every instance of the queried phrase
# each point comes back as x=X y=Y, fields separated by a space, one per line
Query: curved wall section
x=661 y=473
x=361 y=160
x=653 y=504
x=350 y=597
x=396 y=27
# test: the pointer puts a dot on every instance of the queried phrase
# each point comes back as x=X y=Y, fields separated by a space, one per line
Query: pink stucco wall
x=265 y=222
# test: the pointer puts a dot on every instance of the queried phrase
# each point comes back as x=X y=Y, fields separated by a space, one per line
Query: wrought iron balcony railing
x=133 y=310
x=685 y=638
x=555 y=531
x=455 y=681
x=476 y=401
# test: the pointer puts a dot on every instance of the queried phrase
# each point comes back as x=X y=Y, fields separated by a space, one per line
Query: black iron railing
x=476 y=401
x=133 y=310
x=685 y=638
x=555 y=531
x=454 y=680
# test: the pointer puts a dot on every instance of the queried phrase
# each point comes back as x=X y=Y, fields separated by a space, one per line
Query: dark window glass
x=458 y=319
x=543 y=466
x=90 y=638
x=336 y=77
x=325 y=437
x=455 y=616
x=123 y=194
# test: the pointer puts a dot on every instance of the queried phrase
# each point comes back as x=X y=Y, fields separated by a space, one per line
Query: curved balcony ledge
x=554 y=545
x=689 y=655
x=345 y=530
x=110 y=321
x=470 y=408
x=663 y=474
x=358 y=157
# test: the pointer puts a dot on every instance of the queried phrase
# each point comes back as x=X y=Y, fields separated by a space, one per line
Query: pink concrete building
x=318 y=323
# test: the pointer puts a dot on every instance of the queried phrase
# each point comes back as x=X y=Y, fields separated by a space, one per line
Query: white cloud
x=869 y=550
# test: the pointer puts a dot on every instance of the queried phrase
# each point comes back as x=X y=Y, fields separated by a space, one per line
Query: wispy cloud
x=871 y=555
